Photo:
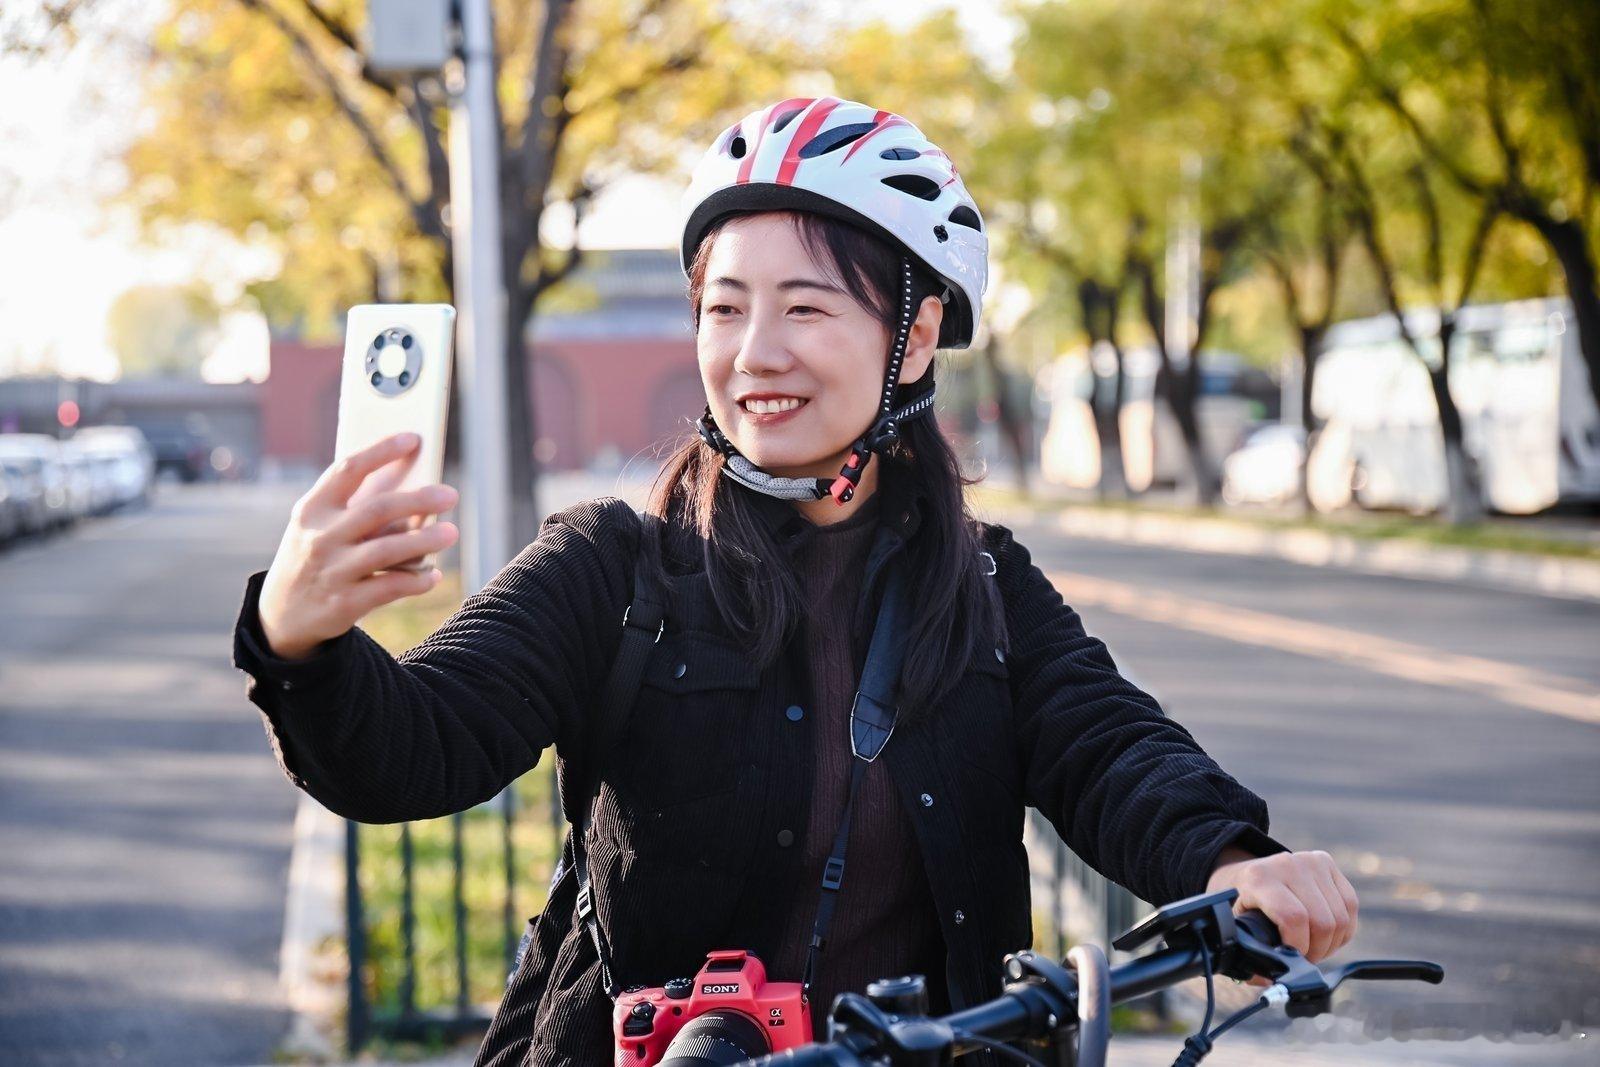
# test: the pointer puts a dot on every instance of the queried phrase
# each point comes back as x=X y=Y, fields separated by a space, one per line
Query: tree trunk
x=1310 y=348
x=1107 y=415
x=1207 y=486
x=1013 y=424
x=1098 y=305
x=1464 y=503
x=1568 y=241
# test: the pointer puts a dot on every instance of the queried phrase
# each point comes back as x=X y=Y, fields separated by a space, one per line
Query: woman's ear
x=923 y=342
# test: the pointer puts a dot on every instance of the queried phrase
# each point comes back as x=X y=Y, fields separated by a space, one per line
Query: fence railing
x=434 y=910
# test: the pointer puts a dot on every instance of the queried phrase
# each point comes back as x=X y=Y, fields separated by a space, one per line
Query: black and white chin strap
x=879 y=436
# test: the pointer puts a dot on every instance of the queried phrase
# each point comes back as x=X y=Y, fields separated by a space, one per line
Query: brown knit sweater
x=885 y=923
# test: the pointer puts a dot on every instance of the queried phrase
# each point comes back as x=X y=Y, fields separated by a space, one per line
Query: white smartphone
x=396 y=378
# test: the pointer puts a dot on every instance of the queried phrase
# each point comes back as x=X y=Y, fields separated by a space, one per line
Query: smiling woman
x=791 y=360
x=831 y=249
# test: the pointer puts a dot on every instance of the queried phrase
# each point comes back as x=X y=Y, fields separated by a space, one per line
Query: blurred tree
x=1428 y=241
x=266 y=122
x=1137 y=125
x=1046 y=173
x=164 y=330
x=1502 y=98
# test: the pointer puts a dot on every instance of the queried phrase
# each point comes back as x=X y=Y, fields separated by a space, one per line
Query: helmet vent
x=838 y=137
x=965 y=216
x=941 y=233
x=899 y=153
x=736 y=148
x=786 y=118
x=915 y=184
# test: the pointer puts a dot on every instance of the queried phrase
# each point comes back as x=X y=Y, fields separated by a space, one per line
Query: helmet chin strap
x=880 y=435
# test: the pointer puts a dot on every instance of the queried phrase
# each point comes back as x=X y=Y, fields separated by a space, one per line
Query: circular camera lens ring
x=406 y=377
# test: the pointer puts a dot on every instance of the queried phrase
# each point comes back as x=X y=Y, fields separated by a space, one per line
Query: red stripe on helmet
x=884 y=120
x=766 y=121
x=808 y=129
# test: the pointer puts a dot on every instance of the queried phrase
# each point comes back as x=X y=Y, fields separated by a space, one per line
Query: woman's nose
x=762 y=350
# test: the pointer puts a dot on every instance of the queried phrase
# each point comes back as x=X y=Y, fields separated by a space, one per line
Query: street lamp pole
x=481 y=300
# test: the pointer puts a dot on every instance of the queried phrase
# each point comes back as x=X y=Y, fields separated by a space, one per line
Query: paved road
x=144 y=829
x=1467 y=814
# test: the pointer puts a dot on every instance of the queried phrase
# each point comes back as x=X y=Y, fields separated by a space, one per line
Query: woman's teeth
x=772 y=407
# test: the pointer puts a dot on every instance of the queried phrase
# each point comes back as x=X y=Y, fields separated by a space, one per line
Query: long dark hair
x=755 y=590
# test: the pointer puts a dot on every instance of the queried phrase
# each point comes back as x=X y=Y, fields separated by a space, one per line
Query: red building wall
x=593 y=399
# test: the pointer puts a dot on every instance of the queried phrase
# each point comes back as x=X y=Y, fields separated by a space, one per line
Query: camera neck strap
x=872 y=719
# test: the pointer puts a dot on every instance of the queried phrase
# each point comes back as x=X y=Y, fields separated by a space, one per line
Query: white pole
x=1183 y=264
x=481 y=302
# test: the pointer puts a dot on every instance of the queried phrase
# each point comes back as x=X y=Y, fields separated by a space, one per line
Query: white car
x=121 y=459
x=1266 y=468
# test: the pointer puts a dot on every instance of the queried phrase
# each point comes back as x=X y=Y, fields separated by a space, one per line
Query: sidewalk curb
x=312 y=960
x=1553 y=576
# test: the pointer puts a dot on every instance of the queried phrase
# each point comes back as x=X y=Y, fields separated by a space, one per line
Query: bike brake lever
x=1387 y=971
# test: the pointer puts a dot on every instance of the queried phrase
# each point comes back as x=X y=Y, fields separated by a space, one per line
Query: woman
x=830 y=250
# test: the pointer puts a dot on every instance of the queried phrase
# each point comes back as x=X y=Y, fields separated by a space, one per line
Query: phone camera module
x=393 y=359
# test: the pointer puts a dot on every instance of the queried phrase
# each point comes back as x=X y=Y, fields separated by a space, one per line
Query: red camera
x=730 y=1002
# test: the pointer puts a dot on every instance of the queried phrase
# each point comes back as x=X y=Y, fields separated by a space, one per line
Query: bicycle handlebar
x=1041 y=998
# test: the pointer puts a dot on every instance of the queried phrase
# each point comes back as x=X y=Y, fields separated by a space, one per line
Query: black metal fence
x=434 y=910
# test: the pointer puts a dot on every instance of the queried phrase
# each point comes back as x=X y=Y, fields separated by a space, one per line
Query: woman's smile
x=770 y=409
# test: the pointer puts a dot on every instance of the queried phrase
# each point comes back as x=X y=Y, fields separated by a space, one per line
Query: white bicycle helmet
x=872 y=169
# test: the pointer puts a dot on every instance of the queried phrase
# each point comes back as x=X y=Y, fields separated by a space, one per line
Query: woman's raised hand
x=345 y=535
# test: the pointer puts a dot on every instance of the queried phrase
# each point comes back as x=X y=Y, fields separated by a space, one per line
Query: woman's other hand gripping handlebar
x=346 y=537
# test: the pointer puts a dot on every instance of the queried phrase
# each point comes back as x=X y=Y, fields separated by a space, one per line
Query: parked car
x=26 y=475
x=1266 y=468
x=40 y=455
x=121 y=461
x=182 y=449
x=13 y=506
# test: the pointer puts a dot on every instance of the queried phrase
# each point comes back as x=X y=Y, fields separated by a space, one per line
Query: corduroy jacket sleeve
x=1129 y=789
x=450 y=723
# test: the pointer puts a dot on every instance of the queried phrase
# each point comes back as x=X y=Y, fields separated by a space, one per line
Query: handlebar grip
x=1259 y=926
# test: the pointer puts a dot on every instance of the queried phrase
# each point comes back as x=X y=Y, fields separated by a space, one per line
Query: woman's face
x=792 y=366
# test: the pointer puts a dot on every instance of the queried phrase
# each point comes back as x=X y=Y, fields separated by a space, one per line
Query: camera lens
x=377 y=377
x=405 y=341
x=714 y=1039
x=378 y=341
x=405 y=377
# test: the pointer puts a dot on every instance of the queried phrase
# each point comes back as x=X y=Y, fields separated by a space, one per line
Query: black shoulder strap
x=643 y=622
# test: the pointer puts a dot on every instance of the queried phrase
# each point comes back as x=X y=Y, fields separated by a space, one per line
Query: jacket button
x=680 y=670
x=1000 y=654
x=785 y=838
x=285 y=686
x=961 y=916
x=795 y=713
x=927 y=800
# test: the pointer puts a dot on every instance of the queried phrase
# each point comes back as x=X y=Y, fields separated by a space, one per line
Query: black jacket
x=685 y=851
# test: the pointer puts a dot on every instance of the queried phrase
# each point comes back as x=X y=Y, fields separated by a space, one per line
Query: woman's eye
x=719 y=309
x=805 y=310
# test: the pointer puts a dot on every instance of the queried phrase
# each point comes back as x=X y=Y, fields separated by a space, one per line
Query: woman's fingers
x=395 y=509
x=1288 y=913
x=1352 y=904
x=369 y=594
x=339 y=482
x=391 y=550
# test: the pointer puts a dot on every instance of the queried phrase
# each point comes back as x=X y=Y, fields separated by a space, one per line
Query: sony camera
x=729 y=1003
